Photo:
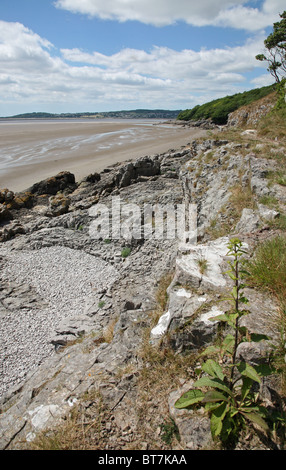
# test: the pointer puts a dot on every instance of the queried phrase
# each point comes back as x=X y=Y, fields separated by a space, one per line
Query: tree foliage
x=275 y=50
x=218 y=110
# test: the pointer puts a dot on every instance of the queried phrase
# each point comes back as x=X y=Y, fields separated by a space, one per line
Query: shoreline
x=99 y=145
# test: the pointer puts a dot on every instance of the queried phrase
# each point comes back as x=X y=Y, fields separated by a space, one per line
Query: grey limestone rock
x=74 y=311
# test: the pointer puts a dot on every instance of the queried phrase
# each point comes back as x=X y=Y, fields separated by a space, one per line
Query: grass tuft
x=268 y=266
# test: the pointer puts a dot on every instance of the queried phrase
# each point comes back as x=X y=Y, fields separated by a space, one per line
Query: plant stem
x=236 y=310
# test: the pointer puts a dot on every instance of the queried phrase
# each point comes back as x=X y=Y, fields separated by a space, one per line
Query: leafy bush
x=218 y=110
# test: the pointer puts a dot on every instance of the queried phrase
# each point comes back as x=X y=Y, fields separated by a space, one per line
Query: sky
x=64 y=56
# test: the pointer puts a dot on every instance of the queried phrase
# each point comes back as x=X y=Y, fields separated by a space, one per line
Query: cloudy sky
x=104 y=55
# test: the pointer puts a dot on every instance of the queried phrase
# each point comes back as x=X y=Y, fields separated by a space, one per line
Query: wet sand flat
x=33 y=150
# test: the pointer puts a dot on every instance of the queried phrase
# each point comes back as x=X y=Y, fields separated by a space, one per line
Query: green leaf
x=198 y=371
x=243 y=331
x=212 y=368
x=234 y=292
x=246 y=386
x=210 y=350
x=222 y=317
x=256 y=337
x=232 y=319
x=213 y=383
x=264 y=370
x=228 y=343
x=256 y=419
x=243 y=299
x=214 y=396
x=217 y=418
x=211 y=405
x=244 y=272
x=231 y=274
x=189 y=398
x=248 y=371
x=229 y=318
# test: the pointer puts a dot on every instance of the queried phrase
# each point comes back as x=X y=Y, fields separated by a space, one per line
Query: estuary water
x=31 y=150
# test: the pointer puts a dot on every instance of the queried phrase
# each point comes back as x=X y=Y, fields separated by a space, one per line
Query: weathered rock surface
x=62 y=181
x=250 y=115
x=75 y=308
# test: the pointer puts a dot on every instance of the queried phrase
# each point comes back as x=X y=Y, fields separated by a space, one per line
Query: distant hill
x=133 y=114
x=218 y=110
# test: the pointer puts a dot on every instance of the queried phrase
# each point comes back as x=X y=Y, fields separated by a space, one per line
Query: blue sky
x=93 y=55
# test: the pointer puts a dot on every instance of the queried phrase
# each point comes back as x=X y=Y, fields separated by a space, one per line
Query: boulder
x=60 y=182
x=249 y=221
x=10 y=230
x=92 y=178
x=194 y=428
x=267 y=213
x=5 y=214
x=203 y=265
x=58 y=205
x=6 y=196
x=145 y=166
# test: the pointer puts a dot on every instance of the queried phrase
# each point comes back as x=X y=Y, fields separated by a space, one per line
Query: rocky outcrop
x=202 y=123
x=62 y=181
x=75 y=309
x=250 y=115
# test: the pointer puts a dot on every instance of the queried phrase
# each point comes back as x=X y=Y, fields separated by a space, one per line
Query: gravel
x=61 y=277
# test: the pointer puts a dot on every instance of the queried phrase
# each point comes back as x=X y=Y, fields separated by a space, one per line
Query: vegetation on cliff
x=275 y=55
x=219 y=109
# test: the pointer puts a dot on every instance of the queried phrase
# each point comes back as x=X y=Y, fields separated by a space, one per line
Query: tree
x=275 y=53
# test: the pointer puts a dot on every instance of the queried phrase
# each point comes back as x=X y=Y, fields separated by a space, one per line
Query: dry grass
x=267 y=271
x=109 y=330
x=81 y=430
x=163 y=372
x=272 y=126
x=241 y=197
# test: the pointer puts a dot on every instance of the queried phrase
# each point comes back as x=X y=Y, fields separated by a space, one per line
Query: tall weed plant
x=226 y=385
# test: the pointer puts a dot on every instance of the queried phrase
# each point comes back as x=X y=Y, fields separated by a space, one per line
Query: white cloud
x=262 y=80
x=165 y=63
x=19 y=44
x=34 y=75
x=251 y=19
x=236 y=14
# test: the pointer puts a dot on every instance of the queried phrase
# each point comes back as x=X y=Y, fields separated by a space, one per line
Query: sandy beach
x=32 y=150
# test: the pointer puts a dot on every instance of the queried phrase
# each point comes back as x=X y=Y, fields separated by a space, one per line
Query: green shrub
x=218 y=110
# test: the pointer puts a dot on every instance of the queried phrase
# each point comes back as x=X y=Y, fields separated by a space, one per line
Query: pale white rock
x=214 y=254
x=249 y=221
x=214 y=312
x=162 y=326
x=183 y=293
x=41 y=415
x=267 y=213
